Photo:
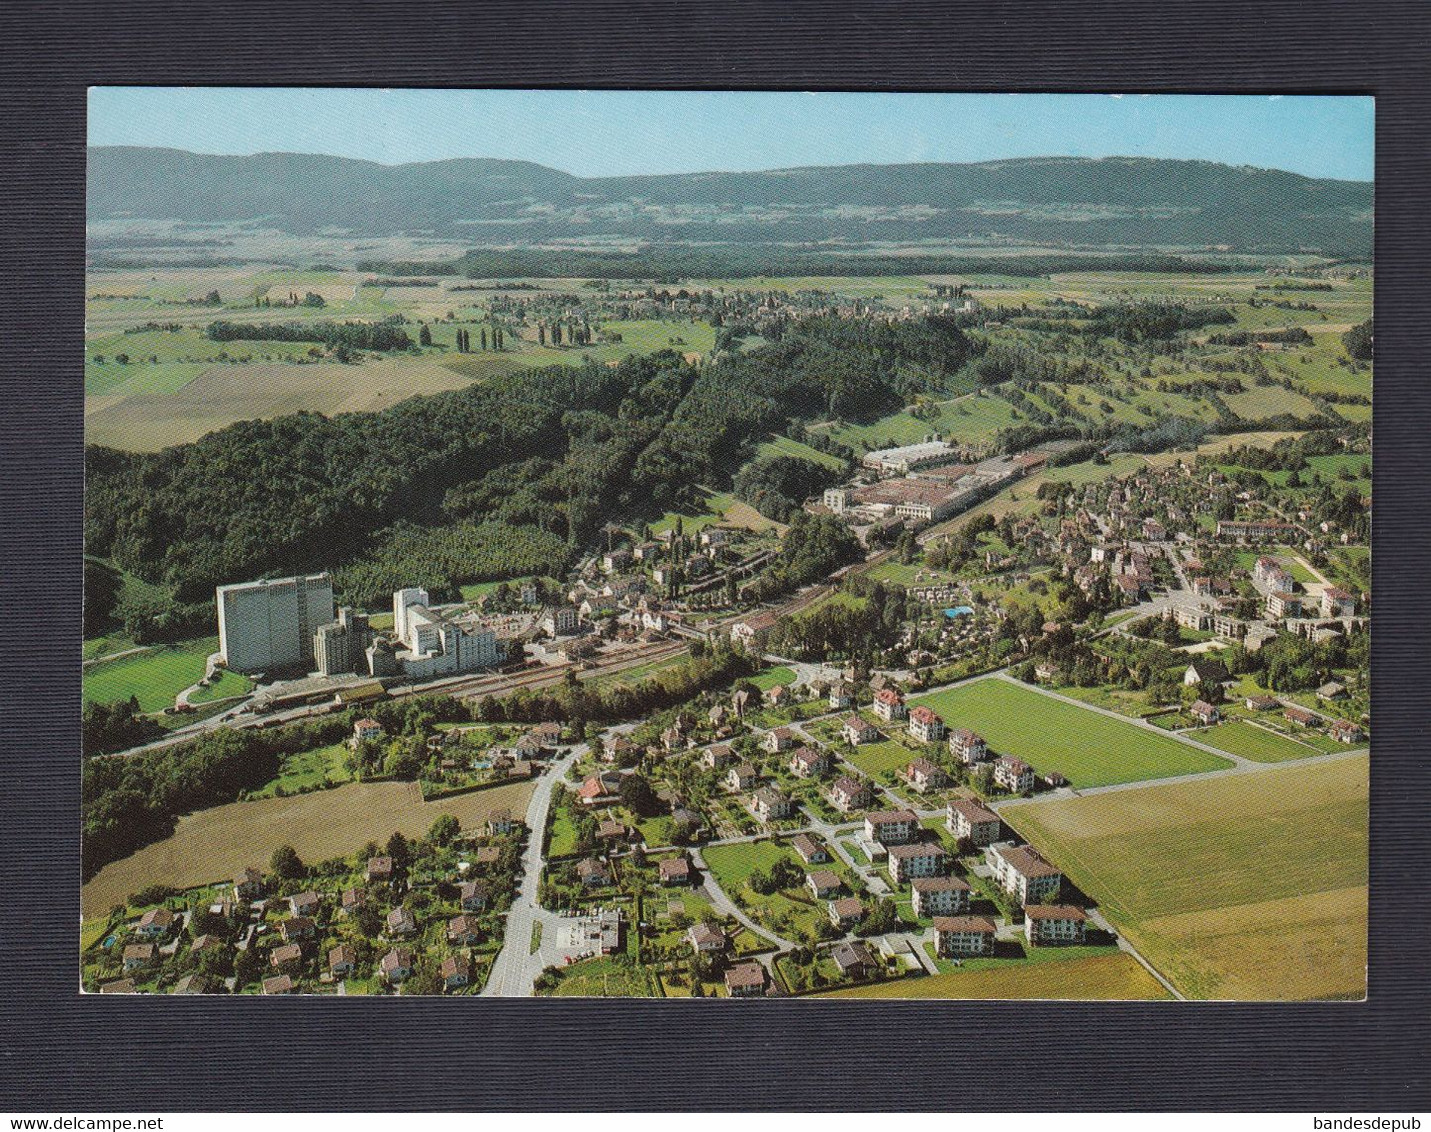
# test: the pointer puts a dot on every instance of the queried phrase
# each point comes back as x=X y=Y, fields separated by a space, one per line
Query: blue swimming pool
x=958 y=611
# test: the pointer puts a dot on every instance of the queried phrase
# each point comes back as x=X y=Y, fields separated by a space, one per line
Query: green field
x=606 y=977
x=1050 y=735
x=1248 y=886
x=770 y=677
x=224 y=685
x=155 y=676
x=784 y=446
x=1239 y=737
x=788 y=914
x=308 y=770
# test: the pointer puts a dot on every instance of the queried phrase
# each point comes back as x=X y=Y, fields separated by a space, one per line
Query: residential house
x=248 y=885
x=610 y=830
x=850 y=793
x=925 y=725
x=137 y=955
x=1263 y=703
x=397 y=964
x=807 y=762
x=925 y=776
x=1332 y=690
x=1203 y=671
x=940 y=896
x=840 y=696
x=778 y=695
x=400 y=923
x=1302 y=717
x=917 y=859
x=1023 y=873
x=1336 y=602
x=472 y=895
x=155 y=924
x=1014 y=775
x=205 y=944
x=718 y=757
x=780 y=739
x=379 y=869
x=297 y=927
x=676 y=871
x=810 y=850
x=959 y=936
x=456 y=972
x=1204 y=712
x=889 y=705
x=742 y=777
x=967 y=746
x=745 y=980
x=1049 y=924
x=304 y=904
x=824 y=884
x=769 y=804
x=891 y=827
x=342 y=960
x=289 y=958
x=278 y=984
x=854 y=959
x=971 y=822
x=856 y=731
x=193 y=984
x=1345 y=731
x=1281 y=604
x=707 y=939
x=846 y=911
x=594 y=873
x=118 y=986
x=463 y=931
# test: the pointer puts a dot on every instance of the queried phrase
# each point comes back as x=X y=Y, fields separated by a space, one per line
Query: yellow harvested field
x=1316 y=943
x=1117 y=977
x=1248 y=886
x=221 y=395
x=213 y=844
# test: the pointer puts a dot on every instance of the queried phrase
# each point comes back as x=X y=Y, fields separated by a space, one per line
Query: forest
x=550 y=453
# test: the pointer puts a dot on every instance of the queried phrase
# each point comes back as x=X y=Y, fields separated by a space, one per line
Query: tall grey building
x=270 y=625
x=341 y=645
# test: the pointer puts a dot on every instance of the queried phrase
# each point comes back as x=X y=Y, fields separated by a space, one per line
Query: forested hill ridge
x=520 y=470
x=1058 y=202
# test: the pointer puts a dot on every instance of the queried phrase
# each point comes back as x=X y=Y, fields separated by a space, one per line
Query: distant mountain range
x=1060 y=202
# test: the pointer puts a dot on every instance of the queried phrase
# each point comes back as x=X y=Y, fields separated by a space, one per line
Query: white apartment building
x=269 y=625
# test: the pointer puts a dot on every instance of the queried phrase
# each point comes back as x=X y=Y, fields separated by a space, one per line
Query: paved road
x=516 y=967
x=1096 y=917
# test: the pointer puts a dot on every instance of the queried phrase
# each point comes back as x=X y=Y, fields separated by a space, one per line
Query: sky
x=613 y=133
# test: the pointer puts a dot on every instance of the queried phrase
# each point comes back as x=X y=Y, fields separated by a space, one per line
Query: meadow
x=1248 y=886
x=1239 y=737
x=787 y=912
x=154 y=676
x=1088 y=748
x=213 y=844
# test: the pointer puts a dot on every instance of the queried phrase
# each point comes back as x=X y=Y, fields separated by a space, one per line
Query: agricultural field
x=215 y=843
x=1090 y=749
x=1114 y=977
x=1248 y=886
x=155 y=676
x=1239 y=737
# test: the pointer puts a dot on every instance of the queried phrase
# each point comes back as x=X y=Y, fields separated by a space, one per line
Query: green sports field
x=155 y=676
x=1088 y=748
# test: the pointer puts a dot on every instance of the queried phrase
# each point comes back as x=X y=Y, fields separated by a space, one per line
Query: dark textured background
x=59 y=1051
